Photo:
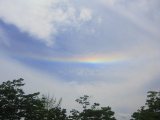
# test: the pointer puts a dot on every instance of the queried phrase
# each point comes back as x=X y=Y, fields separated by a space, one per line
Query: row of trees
x=15 y=104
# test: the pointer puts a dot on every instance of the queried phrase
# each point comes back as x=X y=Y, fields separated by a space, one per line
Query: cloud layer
x=42 y=19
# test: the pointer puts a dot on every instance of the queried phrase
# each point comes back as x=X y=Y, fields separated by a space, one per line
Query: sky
x=107 y=49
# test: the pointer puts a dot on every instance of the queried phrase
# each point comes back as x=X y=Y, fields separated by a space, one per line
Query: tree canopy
x=15 y=104
x=91 y=112
x=151 y=110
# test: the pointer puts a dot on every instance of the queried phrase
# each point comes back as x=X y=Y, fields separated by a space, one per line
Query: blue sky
x=108 y=49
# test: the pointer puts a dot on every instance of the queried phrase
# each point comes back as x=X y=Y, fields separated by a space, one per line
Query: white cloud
x=85 y=15
x=41 y=18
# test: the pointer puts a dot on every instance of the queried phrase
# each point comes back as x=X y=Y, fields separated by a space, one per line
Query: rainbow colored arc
x=90 y=59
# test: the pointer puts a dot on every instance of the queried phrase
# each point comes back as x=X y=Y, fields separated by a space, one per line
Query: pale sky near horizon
x=108 y=49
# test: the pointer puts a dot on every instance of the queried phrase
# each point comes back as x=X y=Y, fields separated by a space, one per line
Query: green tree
x=151 y=110
x=91 y=112
x=15 y=104
x=53 y=111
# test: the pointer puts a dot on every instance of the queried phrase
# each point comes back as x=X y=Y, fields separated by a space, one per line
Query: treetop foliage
x=15 y=104
x=151 y=110
x=91 y=112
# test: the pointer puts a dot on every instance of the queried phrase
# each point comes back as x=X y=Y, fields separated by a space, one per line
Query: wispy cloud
x=142 y=13
x=42 y=18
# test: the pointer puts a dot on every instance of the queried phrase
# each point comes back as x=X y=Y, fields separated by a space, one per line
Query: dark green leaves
x=91 y=112
x=151 y=110
x=15 y=104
